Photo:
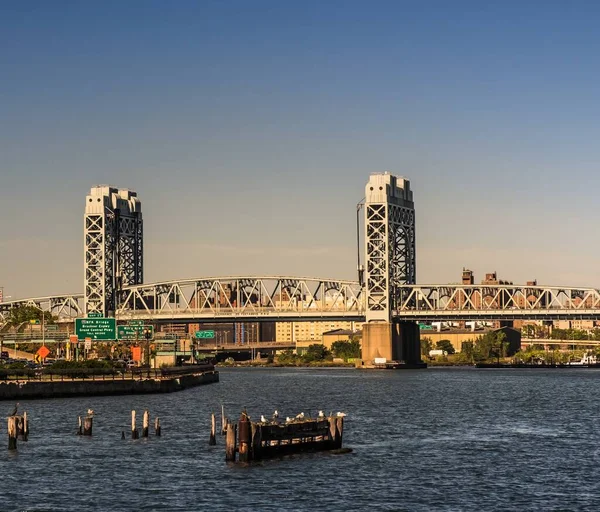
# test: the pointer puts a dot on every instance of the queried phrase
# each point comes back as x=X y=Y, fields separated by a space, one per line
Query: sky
x=249 y=130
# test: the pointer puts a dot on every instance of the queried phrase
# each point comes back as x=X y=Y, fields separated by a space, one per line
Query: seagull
x=341 y=414
x=14 y=411
x=288 y=420
x=90 y=412
x=275 y=414
x=300 y=416
x=321 y=415
x=263 y=419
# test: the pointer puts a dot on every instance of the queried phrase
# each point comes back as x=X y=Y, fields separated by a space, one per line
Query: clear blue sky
x=249 y=130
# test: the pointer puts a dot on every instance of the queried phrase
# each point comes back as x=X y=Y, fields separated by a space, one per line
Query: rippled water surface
x=436 y=439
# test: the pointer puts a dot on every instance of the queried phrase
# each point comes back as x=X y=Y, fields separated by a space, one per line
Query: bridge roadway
x=294 y=299
x=246 y=347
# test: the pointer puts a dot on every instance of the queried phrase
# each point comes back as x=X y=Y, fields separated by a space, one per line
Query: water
x=439 y=439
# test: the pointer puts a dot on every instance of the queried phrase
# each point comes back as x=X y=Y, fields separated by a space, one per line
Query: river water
x=436 y=439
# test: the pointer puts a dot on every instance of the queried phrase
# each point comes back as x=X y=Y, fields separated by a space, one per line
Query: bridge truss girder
x=242 y=297
x=439 y=302
x=65 y=308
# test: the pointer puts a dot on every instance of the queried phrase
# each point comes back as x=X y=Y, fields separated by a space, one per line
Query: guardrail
x=84 y=374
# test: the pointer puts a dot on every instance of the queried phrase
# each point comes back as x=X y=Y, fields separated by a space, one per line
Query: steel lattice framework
x=390 y=254
x=466 y=302
x=64 y=307
x=311 y=299
x=113 y=238
x=243 y=298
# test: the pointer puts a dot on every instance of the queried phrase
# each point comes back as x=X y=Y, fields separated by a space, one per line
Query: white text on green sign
x=205 y=334
x=135 y=332
x=96 y=328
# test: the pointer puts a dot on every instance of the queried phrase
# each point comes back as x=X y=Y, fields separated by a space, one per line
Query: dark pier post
x=87 y=425
x=332 y=421
x=213 y=430
x=256 y=441
x=244 y=438
x=145 y=423
x=79 y=426
x=12 y=432
x=134 y=431
x=157 y=426
x=230 y=446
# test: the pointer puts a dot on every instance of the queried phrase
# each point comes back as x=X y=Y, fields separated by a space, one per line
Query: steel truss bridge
x=287 y=299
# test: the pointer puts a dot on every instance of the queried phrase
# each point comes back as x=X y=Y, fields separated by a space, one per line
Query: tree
x=491 y=344
x=426 y=346
x=315 y=352
x=445 y=345
x=346 y=349
x=467 y=350
x=20 y=315
x=286 y=357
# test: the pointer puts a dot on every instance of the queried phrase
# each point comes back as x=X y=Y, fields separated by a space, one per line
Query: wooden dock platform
x=251 y=441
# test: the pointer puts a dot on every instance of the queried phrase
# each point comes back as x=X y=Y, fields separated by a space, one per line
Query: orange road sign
x=43 y=352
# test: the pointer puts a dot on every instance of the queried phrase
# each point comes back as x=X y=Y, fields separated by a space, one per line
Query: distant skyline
x=249 y=130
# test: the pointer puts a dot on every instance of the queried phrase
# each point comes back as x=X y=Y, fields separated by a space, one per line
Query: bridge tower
x=390 y=261
x=113 y=246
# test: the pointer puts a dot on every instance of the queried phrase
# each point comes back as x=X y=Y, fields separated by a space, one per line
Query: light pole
x=43 y=331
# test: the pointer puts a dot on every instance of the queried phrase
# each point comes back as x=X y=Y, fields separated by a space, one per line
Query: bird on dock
x=321 y=415
x=341 y=414
x=263 y=419
x=14 y=411
x=300 y=416
x=275 y=415
x=90 y=412
x=288 y=419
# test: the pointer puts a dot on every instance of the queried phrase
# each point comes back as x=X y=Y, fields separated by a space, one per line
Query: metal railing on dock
x=64 y=374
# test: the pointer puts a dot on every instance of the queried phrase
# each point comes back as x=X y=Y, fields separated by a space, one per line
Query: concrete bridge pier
x=393 y=341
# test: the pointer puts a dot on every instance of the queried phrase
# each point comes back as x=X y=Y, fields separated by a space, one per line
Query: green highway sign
x=205 y=334
x=134 y=332
x=96 y=328
x=136 y=322
x=95 y=314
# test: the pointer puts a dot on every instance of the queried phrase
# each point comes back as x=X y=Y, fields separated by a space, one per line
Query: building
x=330 y=337
x=290 y=332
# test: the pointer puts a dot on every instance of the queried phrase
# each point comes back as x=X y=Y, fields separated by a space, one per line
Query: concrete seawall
x=10 y=390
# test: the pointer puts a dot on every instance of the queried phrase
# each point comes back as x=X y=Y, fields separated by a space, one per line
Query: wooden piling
x=223 y=421
x=213 y=430
x=25 y=432
x=157 y=426
x=339 y=431
x=332 y=431
x=12 y=432
x=134 y=431
x=256 y=441
x=80 y=426
x=230 y=445
x=19 y=425
x=145 y=423
x=87 y=425
x=244 y=433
